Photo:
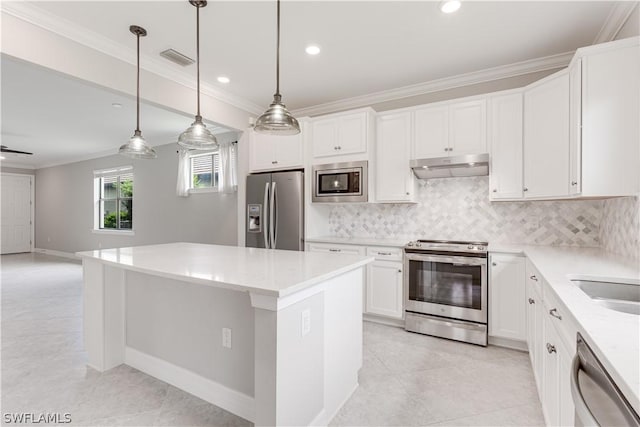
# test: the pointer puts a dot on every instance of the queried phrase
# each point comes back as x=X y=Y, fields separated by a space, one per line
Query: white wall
x=65 y=208
x=632 y=26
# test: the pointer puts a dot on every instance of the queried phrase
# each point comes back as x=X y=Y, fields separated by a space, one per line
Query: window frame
x=98 y=179
x=212 y=189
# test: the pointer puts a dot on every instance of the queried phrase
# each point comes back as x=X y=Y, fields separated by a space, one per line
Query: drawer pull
x=534 y=278
x=551 y=348
x=385 y=253
x=399 y=271
x=554 y=313
x=334 y=250
x=532 y=301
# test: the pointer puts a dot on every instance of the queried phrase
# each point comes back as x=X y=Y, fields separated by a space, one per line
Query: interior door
x=288 y=198
x=257 y=206
x=16 y=214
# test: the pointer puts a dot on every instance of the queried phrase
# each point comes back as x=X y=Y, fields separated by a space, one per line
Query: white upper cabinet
x=468 y=128
x=342 y=135
x=575 y=127
x=394 y=179
x=610 y=105
x=546 y=137
x=451 y=129
x=431 y=132
x=505 y=145
x=274 y=152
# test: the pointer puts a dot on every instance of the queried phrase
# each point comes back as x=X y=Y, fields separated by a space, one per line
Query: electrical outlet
x=305 y=322
x=226 y=337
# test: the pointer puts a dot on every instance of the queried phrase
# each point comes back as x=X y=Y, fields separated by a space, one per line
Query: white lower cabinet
x=557 y=402
x=384 y=289
x=507 y=312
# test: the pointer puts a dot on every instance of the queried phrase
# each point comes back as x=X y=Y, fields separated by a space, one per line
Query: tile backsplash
x=459 y=208
x=620 y=226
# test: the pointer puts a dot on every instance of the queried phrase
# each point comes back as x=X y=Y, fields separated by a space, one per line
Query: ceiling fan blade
x=4 y=149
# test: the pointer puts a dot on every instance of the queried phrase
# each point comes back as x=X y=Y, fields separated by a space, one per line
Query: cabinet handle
x=446 y=149
x=494 y=264
x=384 y=253
x=334 y=250
x=275 y=162
x=554 y=313
x=495 y=190
x=551 y=348
x=399 y=271
x=339 y=147
x=534 y=278
x=574 y=182
x=532 y=301
x=408 y=193
x=525 y=189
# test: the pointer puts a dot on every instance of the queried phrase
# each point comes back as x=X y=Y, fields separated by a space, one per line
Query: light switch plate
x=226 y=337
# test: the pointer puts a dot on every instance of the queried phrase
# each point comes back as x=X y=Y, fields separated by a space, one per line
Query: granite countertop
x=262 y=271
x=614 y=336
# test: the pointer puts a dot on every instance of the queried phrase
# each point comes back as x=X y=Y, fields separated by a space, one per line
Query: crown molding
x=5 y=164
x=496 y=73
x=72 y=31
x=618 y=16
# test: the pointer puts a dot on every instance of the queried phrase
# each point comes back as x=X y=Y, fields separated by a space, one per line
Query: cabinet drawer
x=336 y=248
x=382 y=253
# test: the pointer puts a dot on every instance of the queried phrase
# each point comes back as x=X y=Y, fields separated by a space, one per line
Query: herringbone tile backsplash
x=459 y=208
x=620 y=226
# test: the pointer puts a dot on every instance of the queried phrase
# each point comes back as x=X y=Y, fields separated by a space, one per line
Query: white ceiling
x=367 y=46
x=62 y=120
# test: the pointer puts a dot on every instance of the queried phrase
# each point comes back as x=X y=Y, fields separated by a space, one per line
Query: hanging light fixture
x=137 y=147
x=277 y=120
x=197 y=136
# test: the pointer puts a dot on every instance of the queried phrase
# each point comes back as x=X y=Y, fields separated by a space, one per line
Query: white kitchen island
x=272 y=336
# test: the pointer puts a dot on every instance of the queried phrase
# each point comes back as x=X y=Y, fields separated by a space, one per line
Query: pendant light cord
x=198 y=54
x=138 y=86
x=278 y=52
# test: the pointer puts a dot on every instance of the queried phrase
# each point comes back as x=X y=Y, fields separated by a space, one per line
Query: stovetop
x=447 y=246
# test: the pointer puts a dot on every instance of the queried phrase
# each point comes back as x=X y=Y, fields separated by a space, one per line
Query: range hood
x=454 y=166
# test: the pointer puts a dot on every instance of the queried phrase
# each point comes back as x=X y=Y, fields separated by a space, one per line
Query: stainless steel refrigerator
x=275 y=211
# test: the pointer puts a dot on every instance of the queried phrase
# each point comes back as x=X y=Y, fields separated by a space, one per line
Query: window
x=205 y=171
x=114 y=199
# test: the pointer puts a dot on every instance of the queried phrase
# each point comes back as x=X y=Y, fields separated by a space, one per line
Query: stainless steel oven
x=446 y=289
x=340 y=182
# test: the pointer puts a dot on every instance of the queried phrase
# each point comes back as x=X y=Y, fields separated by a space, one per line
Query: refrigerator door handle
x=273 y=220
x=265 y=219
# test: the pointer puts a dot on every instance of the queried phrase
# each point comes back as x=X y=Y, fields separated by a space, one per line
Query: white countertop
x=613 y=336
x=360 y=241
x=269 y=272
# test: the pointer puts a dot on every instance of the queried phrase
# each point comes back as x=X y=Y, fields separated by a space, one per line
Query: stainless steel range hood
x=454 y=166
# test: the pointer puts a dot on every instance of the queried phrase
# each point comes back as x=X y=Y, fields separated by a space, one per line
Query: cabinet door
x=324 y=137
x=393 y=176
x=566 y=406
x=289 y=151
x=546 y=137
x=262 y=151
x=431 y=132
x=384 y=289
x=575 y=127
x=468 y=128
x=505 y=136
x=352 y=133
x=507 y=310
x=551 y=372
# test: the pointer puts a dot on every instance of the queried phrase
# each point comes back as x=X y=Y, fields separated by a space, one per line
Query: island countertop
x=271 y=272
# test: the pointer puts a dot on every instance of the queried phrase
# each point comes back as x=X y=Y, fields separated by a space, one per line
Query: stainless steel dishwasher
x=597 y=398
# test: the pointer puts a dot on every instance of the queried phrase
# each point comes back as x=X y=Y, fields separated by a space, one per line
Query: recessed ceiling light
x=312 y=49
x=116 y=105
x=450 y=6
x=223 y=79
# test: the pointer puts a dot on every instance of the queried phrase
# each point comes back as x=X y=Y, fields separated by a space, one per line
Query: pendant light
x=197 y=136
x=137 y=147
x=277 y=120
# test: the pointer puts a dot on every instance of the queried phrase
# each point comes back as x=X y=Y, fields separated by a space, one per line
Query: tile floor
x=407 y=379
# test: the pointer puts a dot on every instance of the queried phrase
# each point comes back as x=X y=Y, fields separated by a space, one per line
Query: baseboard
x=204 y=388
x=508 y=343
x=57 y=253
x=383 y=320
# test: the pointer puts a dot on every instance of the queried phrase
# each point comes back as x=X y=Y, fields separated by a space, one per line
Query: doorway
x=16 y=220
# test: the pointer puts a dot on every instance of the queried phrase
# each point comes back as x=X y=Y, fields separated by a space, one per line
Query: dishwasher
x=598 y=400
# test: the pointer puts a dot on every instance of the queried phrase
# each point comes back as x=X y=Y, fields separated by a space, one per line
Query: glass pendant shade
x=197 y=137
x=137 y=148
x=277 y=120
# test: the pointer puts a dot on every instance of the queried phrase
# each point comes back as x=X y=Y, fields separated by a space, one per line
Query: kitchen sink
x=618 y=296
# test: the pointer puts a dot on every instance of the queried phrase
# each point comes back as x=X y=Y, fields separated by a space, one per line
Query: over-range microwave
x=340 y=182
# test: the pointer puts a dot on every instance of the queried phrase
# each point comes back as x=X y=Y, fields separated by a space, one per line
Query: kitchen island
x=270 y=335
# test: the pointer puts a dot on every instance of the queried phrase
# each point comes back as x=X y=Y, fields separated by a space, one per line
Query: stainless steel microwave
x=340 y=182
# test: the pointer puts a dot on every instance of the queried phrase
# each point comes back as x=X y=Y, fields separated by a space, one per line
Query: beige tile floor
x=407 y=379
